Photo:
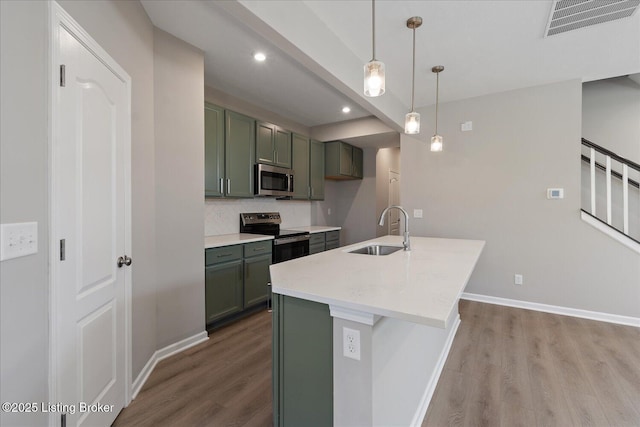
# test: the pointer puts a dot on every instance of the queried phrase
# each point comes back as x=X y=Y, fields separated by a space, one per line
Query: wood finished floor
x=507 y=367
x=513 y=367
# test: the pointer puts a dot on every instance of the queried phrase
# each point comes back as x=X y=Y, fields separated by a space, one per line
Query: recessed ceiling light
x=259 y=56
x=346 y=110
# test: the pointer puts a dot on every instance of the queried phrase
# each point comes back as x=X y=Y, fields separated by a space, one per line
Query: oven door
x=273 y=181
x=287 y=248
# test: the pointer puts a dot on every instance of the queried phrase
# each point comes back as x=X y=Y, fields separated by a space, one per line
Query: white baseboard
x=566 y=311
x=162 y=354
x=418 y=418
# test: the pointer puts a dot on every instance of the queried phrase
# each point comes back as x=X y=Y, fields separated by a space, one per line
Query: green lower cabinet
x=236 y=279
x=256 y=279
x=302 y=363
x=332 y=239
x=223 y=289
x=317 y=248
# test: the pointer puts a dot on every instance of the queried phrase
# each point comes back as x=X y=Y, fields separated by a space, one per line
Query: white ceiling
x=316 y=50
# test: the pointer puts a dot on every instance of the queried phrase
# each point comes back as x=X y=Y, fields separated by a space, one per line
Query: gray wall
x=352 y=204
x=124 y=30
x=490 y=184
x=179 y=130
x=611 y=115
x=24 y=288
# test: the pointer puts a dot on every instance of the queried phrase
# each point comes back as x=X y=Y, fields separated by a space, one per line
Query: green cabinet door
x=283 y=148
x=213 y=150
x=240 y=145
x=265 y=143
x=302 y=363
x=346 y=159
x=316 y=169
x=357 y=164
x=273 y=145
x=300 y=163
x=223 y=289
x=256 y=279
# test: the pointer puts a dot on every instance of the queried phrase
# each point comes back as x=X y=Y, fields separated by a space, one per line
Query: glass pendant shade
x=412 y=123
x=436 y=143
x=374 y=78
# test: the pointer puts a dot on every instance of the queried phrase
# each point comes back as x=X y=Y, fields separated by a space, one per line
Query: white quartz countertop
x=420 y=286
x=233 y=239
x=315 y=228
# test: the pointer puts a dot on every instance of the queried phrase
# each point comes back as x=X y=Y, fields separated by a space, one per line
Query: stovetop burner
x=266 y=223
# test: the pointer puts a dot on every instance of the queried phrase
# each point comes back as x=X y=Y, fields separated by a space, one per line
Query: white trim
x=565 y=311
x=421 y=412
x=58 y=17
x=165 y=353
x=353 y=315
x=614 y=234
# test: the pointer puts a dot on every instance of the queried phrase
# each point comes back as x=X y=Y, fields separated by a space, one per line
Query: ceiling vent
x=569 y=15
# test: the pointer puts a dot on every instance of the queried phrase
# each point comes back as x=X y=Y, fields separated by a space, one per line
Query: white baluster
x=608 y=190
x=593 y=181
x=625 y=199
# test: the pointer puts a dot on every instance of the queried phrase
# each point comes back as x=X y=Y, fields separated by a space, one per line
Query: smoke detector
x=569 y=15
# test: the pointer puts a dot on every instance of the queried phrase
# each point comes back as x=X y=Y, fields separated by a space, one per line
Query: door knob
x=125 y=260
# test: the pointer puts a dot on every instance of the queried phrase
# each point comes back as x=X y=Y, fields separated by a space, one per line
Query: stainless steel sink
x=377 y=250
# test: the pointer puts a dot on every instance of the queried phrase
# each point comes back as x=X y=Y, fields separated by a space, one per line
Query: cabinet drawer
x=257 y=248
x=316 y=238
x=332 y=245
x=333 y=235
x=317 y=248
x=223 y=254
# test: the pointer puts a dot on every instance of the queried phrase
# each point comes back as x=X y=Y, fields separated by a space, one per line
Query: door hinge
x=62 y=250
x=63 y=81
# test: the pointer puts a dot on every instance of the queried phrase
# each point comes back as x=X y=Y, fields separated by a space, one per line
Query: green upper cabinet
x=357 y=165
x=342 y=161
x=300 y=163
x=213 y=150
x=240 y=144
x=283 y=148
x=273 y=145
x=316 y=169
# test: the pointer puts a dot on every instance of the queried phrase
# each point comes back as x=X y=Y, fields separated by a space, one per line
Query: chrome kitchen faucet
x=405 y=242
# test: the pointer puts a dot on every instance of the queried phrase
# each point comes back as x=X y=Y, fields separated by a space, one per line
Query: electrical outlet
x=417 y=213
x=517 y=279
x=351 y=343
x=18 y=240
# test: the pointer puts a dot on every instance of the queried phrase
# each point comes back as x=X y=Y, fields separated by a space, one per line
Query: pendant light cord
x=413 y=73
x=437 y=96
x=373 y=26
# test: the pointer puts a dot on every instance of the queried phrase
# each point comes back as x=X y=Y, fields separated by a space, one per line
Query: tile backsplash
x=222 y=216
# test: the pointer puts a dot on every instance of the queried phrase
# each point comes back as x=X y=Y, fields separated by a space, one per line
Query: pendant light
x=412 y=119
x=436 y=140
x=374 y=69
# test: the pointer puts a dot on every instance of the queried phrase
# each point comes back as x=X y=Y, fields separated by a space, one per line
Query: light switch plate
x=417 y=213
x=466 y=126
x=555 y=193
x=18 y=240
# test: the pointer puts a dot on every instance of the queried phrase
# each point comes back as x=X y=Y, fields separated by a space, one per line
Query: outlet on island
x=351 y=343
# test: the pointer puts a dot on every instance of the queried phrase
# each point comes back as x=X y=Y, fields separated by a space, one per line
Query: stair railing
x=624 y=176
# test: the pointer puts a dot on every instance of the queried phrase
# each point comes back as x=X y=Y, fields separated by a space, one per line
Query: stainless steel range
x=287 y=244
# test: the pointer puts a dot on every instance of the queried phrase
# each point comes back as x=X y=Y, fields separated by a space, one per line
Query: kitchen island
x=361 y=339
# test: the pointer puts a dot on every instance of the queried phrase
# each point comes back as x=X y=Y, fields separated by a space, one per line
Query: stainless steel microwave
x=273 y=181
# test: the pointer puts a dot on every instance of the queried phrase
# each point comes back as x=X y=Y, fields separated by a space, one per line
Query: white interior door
x=394 y=199
x=90 y=202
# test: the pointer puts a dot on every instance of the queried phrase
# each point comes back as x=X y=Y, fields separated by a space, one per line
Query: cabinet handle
x=223 y=255
x=269 y=298
x=221 y=185
x=228 y=186
x=261 y=248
